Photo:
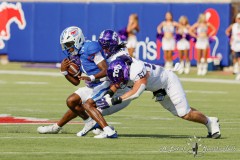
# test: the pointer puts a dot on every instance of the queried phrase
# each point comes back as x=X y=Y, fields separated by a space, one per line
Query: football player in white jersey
x=164 y=84
x=107 y=39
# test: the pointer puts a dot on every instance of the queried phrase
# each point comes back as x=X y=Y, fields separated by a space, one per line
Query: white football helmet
x=72 y=37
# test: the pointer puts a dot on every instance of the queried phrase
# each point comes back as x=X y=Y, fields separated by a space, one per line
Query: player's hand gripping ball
x=73 y=70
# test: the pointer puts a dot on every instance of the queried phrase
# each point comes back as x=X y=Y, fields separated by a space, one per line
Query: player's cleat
x=97 y=131
x=105 y=135
x=88 y=127
x=51 y=129
x=215 y=128
x=209 y=135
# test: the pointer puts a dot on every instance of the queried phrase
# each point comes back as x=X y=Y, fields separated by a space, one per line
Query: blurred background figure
x=199 y=30
x=183 y=44
x=4 y=59
x=233 y=31
x=167 y=28
x=132 y=29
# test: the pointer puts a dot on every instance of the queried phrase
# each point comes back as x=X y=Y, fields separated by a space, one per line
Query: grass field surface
x=146 y=130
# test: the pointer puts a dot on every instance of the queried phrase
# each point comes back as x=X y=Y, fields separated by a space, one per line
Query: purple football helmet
x=118 y=73
x=109 y=40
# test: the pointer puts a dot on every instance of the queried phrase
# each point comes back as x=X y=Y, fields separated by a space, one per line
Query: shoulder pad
x=91 y=47
x=137 y=70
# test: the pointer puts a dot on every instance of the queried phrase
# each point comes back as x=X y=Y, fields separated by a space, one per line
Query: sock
x=208 y=120
x=100 y=110
x=208 y=124
x=56 y=125
x=87 y=120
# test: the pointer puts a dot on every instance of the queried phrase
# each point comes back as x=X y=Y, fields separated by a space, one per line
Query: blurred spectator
x=199 y=30
x=167 y=28
x=132 y=29
x=4 y=59
x=183 y=44
x=233 y=31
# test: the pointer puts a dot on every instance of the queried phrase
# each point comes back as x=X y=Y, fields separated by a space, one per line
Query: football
x=73 y=70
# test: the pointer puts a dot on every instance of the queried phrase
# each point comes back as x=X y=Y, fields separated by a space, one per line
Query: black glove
x=159 y=94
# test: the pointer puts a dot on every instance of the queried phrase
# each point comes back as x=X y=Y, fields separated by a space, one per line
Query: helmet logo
x=114 y=36
x=116 y=70
x=74 y=32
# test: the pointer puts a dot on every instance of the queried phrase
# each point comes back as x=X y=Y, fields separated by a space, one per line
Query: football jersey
x=88 y=58
x=121 y=52
x=87 y=54
x=157 y=75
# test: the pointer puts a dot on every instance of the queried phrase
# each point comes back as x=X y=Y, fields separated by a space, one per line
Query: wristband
x=116 y=100
x=109 y=92
x=64 y=73
x=92 y=78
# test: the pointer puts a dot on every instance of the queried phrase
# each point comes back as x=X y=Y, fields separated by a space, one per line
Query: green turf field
x=146 y=130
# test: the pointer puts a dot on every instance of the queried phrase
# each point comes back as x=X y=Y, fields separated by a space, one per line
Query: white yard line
x=29 y=82
x=206 y=92
x=33 y=73
x=3 y=82
x=212 y=80
x=168 y=149
x=58 y=74
x=110 y=152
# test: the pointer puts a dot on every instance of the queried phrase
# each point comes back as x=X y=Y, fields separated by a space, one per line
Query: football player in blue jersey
x=113 y=48
x=87 y=55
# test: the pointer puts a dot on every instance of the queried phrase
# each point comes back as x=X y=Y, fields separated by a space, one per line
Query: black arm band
x=161 y=92
x=116 y=100
x=109 y=92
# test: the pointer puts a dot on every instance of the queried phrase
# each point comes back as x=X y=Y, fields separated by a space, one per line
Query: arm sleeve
x=137 y=94
x=98 y=58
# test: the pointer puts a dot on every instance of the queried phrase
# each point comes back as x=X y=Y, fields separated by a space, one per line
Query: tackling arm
x=138 y=88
